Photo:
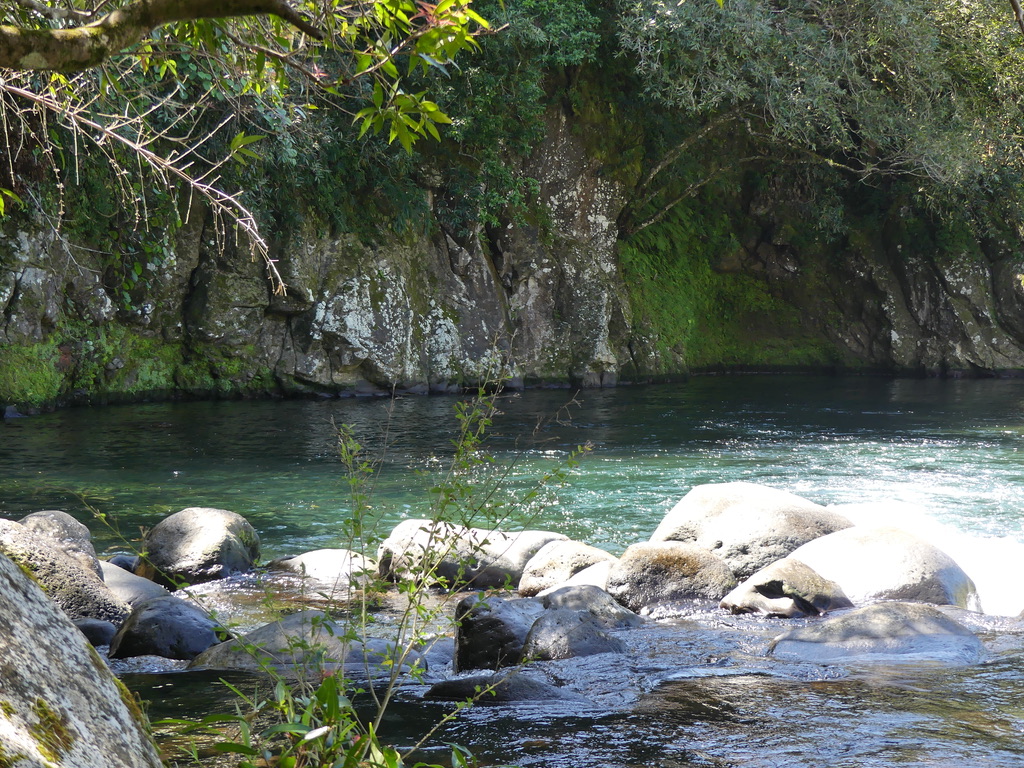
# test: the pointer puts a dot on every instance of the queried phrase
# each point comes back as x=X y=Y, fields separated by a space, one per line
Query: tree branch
x=74 y=49
x=1018 y=13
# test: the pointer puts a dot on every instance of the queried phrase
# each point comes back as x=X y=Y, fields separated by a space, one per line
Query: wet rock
x=165 y=626
x=308 y=641
x=912 y=631
x=129 y=587
x=61 y=706
x=749 y=526
x=595 y=601
x=490 y=633
x=455 y=556
x=69 y=534
x=889 y=563
x=557 y=562
x=125 y=562
x=565 y=634
x=499 y=689
x=665 y=571
x=75 y=589
x=332 y=570
x=786 y=589
x=96 y=631
x=198 y=544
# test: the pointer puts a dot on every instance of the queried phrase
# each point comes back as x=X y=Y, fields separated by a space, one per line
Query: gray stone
x=564 y=633
x=557 y=562
x=75 y=589
x=61 y=706
x=666 y=571
x=490 y=633
x=67 y=532
x=787 y=589
x=884 y=631
x=165 y=626
x=198 y=544
x=96 y=631
x=455 y=556
x=308 y=641
x=889 y=563
x=749 y=526
x=128 y=587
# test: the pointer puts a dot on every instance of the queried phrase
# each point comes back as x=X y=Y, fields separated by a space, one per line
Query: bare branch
x=54 y=14
x=1018 y=13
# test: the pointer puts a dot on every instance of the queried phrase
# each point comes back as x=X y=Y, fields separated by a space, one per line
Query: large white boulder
x=60 y=706
x=747 y=525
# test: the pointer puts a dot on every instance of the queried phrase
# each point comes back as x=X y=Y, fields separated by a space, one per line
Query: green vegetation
x=51 y=732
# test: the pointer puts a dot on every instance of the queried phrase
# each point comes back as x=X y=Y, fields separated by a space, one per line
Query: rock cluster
x=536 y=595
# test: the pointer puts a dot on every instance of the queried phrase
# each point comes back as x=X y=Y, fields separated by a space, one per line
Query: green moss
x=11 y=760
x=53 y=738
x=30 y=374
x=691 y=317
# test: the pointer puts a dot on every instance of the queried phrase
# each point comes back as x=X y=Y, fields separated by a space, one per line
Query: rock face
x=787 y=588
x=74 y=588
x=747 y=525
x=666 y=571
x=60 y=706
x=453 y=555
x=911 y=631
x=199 y=544
x=891 y=564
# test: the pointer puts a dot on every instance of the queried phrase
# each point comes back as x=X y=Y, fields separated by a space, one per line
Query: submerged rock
x=199 y=544
x=499 y=689
x=491 y=632
x=912 y=631
x=453 y=556
x=564 y=633
x=60 y=706
x=666 y=571
x=749 y=526
x=889 y=564
x=788 y=589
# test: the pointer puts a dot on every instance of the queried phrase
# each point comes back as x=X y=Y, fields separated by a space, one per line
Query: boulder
x=888 y=563
x=595 y=576
x=128 y=587
x=67 y=533
x=490 y=633
x=75 y=589
x=308 y=641
x=453 y=556
x=565 y=634
x=786 y=589
x=499 y=689
x=594 y=601
x=96 y=631
x=884 y=631
x=666 y=571
x=165 y=626
x=749 y=526
x=331 y=570
x=557 y=562
x=198 y=544
x=60 y=706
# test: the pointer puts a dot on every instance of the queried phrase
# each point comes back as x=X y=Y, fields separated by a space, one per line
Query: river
x=942 y=457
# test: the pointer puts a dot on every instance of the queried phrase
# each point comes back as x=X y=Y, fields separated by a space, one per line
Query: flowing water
x=943 y=458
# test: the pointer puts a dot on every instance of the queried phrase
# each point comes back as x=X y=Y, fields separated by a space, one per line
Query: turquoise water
x=941 y=456
x=951 y=447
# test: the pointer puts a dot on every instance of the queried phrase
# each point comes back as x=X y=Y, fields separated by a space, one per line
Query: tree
x=164 y=90
x=921 y=90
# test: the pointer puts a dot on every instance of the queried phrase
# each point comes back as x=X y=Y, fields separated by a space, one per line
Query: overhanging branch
x=77 y=48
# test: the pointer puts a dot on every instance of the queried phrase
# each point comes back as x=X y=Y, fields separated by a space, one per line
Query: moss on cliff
x=690 y=317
